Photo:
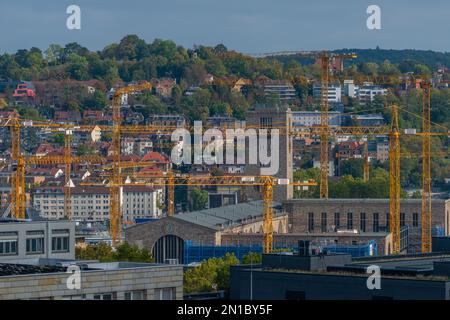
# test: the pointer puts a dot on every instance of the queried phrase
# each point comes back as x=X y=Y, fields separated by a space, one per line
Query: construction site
x=275 y=219
x=184 y=193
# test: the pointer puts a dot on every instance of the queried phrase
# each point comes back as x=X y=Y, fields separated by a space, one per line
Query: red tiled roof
x=155 y=157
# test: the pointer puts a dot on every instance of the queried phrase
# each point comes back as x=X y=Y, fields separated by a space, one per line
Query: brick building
x=329 y=216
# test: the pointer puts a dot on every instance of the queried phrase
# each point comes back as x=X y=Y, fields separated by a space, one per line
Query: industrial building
x=339 y=277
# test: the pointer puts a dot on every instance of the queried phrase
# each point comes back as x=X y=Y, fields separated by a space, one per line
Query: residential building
x=301 y=119
x=383 y=149
x=91 y=203
x=369 y=120
x=166 y=120
x=280 y=89
x=163 y=87
x=368 y=92
x=334 y=92
x=350 y=89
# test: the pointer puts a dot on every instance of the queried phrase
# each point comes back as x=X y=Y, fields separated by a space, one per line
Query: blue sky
x=250 y=26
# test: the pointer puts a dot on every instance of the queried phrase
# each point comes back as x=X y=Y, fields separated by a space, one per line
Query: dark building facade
x=334 y=278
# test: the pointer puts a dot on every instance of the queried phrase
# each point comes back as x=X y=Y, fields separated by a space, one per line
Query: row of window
x=362 y=221
x=35 y=243
x=159 y=294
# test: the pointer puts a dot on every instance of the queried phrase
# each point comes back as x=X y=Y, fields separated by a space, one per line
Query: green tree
x=252 y=258
x=353 y=167
x=199 y=199
x=78 y=67
x=211 y=275
x=85 y=150
x=132 y=253
x=103 y=252
x=58 y=139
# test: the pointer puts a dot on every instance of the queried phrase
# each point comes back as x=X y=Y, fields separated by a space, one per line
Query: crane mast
x=426 y=169
x=115 y=198
x=324 y=122
x=394 y=180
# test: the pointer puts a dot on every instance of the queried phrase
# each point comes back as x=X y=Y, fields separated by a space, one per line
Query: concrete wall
x=53 y=285
x=48 y=228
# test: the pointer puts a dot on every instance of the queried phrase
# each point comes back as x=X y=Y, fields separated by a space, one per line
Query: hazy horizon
x=249 y=26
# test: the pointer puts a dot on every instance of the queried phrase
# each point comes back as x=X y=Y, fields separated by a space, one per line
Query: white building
x=334 y=92
x=312 y=118
x=368 y=92
x=350 y=89
x=92 y=203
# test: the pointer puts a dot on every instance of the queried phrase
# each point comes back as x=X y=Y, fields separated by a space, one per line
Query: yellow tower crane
x=115 y=217
x=18 y=175
x=394 y=180
x=67 y=171
x=265 y=182
x=426 y=172
x=325 y=77
x=366 y=162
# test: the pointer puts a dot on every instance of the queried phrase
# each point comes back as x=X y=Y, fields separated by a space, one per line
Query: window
x=311 y=221
x=388 y=222
x=60 y=241
x=35 y=242
x=349 y=220
x=376 y=222
x=415 y=219
x=362 y=222
x=165 y=294
x=265 y=123
x=134 y=295
x=8 y=247
x=337 y=220
x=402 y=219
x=323 y=222
x=103 y=296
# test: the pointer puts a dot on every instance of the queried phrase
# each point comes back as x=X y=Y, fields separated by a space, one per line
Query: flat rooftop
x=42 y=266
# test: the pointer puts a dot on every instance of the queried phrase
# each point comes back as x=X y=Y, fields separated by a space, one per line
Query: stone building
x=47 y=280
x=329 y=216
x=166 y=237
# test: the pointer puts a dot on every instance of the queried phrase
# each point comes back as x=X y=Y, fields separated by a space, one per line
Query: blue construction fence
x=438 y=231
x=197 y=253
